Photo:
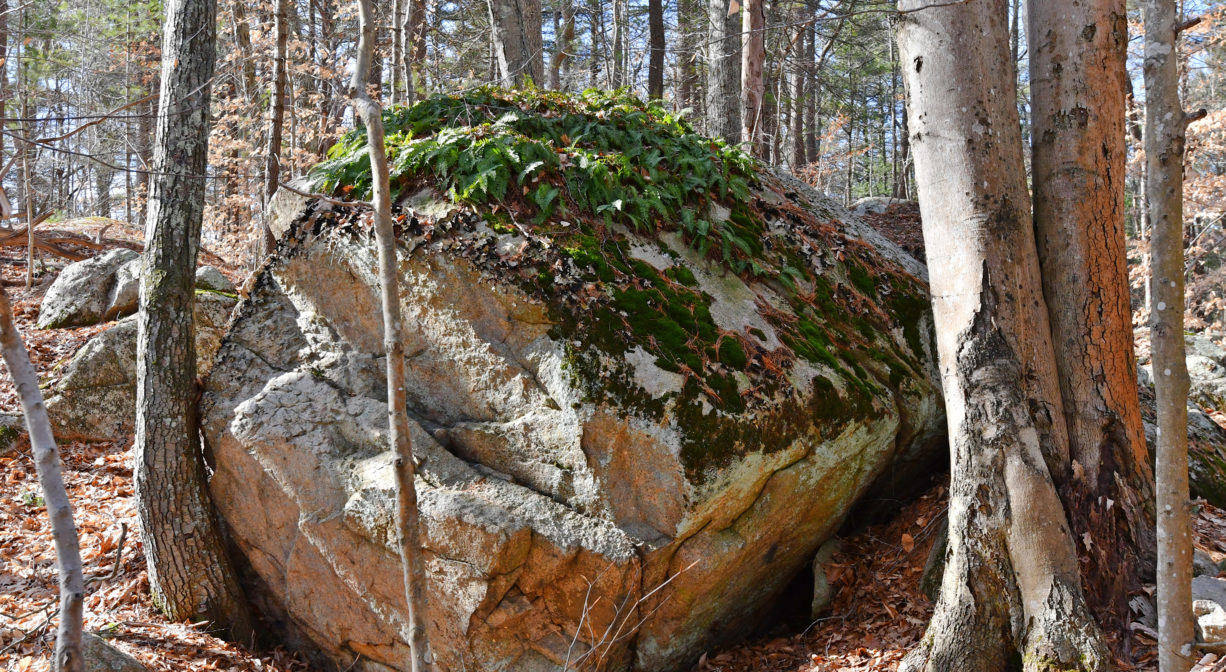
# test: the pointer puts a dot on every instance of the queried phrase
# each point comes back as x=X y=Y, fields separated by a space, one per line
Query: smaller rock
x=100 y=656
x=1210 y=621
x=1203 y=565
x=875 y=204
x=82 y=292
x=822 y=593
x=208 y=277
x=1209 y=588
x=125 y=294
x=1206 y=371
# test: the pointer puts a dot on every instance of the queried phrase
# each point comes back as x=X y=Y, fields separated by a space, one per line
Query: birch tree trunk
x=190 y=574
x=1011 y=590
x=1078 y=76
x=1165 y=125
x=413 y=564
x=55 y=495
x=753 y=55
x=516 y=34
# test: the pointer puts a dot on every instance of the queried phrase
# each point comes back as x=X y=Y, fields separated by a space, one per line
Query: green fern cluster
x=597 y=155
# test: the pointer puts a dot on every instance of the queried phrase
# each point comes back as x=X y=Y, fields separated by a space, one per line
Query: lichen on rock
x=636 y=360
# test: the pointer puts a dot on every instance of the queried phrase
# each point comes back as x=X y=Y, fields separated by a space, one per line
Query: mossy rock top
x=688 y=283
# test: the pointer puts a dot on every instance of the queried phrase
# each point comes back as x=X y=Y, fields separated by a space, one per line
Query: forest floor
x=877 y=613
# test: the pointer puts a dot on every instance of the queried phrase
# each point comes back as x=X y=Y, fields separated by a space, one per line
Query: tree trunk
x=565 y=38
x=1165 y=125
x=753 y=90
x=813 y=93
x=800 y=158
x=723 y=94
x=242 y=36
x=689 y=38
x=1011 y=592
x=655 y=66
x=516 y=34
x=1077 y=76
x=276 y=120
x=412 y=563
x=55 y=495
x=190 y=574
x=414 y=45
x=399 y=30
x=619 y=44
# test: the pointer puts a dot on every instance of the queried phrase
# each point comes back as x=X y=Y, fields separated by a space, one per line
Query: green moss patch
x=556 y=194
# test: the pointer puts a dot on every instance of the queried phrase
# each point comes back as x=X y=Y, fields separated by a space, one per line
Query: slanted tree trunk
x=1011 y=590
x=55 y=496
x=753 y=89
x=1077 y=76
x=516 y=34
x=1165 y=125
x=276 y=119
x=412 y=563
x=655 y=64
x=190 y=574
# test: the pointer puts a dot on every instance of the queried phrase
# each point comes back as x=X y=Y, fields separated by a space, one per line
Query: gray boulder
x=876 y=204
x=208 y=277
x=627 y=450
x=96 y=397
x=125 y=294
x=1206 y=443
x=82 y=292
x=1207 y=371
x=100 y=656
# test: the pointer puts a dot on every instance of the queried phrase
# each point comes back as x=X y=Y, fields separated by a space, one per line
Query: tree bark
x=565 y=38
x=412 y=563
x=1011 y=590
x=190 y=574
x=753 y=89
x=655 y=65
x=55 y=495
x=689 y=38
x=1165 y=125
x=1077 y=75
x=516 y=34
x=276 y=119
x=722 y=93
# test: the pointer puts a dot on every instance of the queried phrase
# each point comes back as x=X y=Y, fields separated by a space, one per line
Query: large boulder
x=628 y=450
x=1206 y=442
x=95 y=399
x=82 y=292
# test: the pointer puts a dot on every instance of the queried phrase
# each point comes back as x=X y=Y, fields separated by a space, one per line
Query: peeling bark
x=1078 y=81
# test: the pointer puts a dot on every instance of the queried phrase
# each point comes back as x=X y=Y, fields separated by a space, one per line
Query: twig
x=323 y=197
x=123 y=535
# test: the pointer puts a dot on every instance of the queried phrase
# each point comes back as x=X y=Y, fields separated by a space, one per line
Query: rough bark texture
x=189 y=573
x=722 y=93
x=276 y=116
x=1165 y=123
x=1011 y=588
x=565 y=38
x=655 y=66
x=1077 y=71
x=753 y=56
x=59 y=509
x=412 y=563
x=516 y=34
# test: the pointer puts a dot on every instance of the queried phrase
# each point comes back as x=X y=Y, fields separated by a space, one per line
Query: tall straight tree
x=1011 y=590
x=276 y=116
x=753 y=89
x=1078 y=84
x=655 y=64
x=190 y=574
x=1165 y=139
x=516 y=34
x=723 y=82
